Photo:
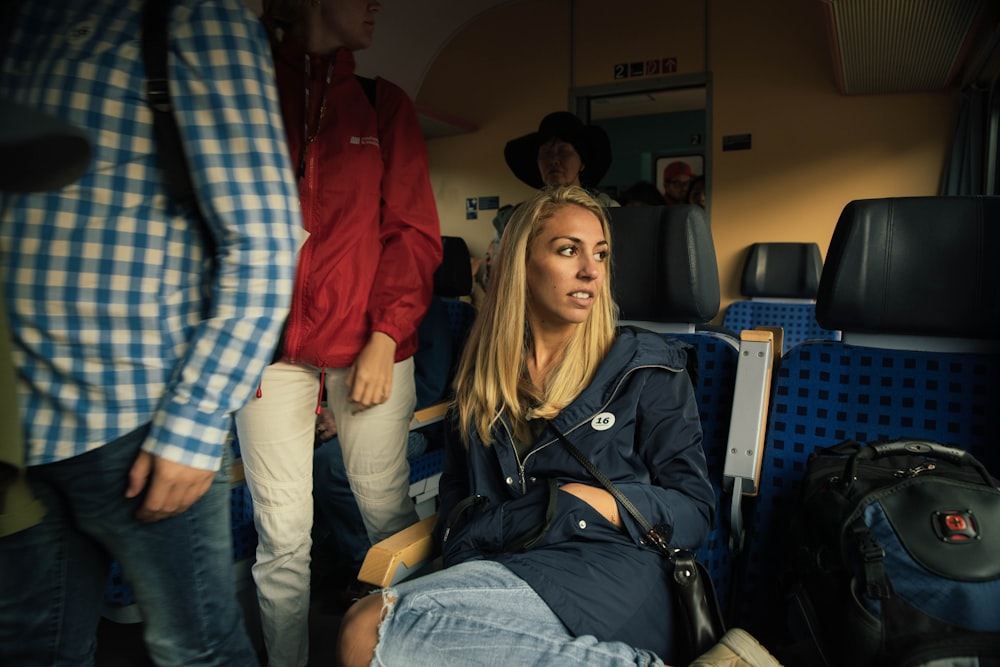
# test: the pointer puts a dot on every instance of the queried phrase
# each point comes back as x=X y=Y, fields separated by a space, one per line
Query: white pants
x=277 y=433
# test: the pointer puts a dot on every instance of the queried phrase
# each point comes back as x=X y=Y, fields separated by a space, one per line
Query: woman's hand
x=369 y=382
x=601 y=500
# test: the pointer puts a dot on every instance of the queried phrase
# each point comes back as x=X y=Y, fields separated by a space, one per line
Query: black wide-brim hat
x=590 y=141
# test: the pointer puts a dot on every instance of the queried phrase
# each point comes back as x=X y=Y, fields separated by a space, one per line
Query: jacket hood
x=633 y=348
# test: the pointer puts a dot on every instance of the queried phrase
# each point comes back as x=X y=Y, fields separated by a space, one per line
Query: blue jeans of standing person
x=480 y=613
x=53 y=575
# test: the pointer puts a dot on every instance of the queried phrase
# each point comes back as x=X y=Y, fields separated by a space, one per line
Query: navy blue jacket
x=638 y=423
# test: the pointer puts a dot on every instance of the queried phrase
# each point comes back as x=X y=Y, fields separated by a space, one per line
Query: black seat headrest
x=923 y=266
x=664 y=265
x=782 y=270
x=453 y=278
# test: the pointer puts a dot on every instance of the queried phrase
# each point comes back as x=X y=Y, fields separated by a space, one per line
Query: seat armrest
x=429 y=415
x=751 y=401
x=398 y=556
x=236 y=473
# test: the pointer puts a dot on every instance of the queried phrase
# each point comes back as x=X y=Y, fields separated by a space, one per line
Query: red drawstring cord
x=319 y=398
x=322 y=384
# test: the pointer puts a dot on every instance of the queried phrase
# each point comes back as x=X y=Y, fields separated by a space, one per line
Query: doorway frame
x=580 y=98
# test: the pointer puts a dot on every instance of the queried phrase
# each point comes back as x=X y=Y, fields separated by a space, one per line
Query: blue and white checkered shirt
x=104 y=286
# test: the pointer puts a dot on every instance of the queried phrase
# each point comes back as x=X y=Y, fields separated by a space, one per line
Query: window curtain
x=966 y=169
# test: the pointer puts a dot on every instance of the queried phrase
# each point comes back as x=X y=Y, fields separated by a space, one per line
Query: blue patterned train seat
x=797 y=319
x=717 y=358
x=913 y=285
x=779 y=283
x=665 y=278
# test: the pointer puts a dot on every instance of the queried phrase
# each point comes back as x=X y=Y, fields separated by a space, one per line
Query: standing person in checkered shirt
x=131 y=356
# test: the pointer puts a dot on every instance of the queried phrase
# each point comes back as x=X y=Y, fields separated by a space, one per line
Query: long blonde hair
x=492 y=375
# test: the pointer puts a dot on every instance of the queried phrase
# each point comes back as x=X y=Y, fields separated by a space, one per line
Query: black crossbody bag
x=695 y=594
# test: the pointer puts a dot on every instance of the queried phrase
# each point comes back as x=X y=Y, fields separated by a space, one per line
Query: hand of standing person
x=172 y=487
x=370 y=379
x=326 y=425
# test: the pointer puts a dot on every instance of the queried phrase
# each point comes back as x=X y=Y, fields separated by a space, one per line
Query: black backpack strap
x=367 y=85
x=876 y=582
x=156 y=14
x=176 y=179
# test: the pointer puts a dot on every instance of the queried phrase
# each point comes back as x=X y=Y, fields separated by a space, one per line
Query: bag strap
x=177 y=179
x=155 y=17
x=647 y=527
x=527 y=542
x=367 y=85
x=699 y=606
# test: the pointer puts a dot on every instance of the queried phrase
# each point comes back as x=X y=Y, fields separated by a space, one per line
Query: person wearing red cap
x=676 y=180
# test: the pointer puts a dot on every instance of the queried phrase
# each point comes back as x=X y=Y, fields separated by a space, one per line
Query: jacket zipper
x=296 y=315
x=521 y=464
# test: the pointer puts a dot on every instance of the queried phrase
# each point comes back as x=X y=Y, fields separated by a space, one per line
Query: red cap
x=677 y=168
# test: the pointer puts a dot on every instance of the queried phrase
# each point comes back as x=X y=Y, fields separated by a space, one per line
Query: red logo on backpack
x=955 y=526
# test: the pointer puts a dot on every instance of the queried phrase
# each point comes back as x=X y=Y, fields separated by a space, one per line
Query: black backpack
x=895 y=558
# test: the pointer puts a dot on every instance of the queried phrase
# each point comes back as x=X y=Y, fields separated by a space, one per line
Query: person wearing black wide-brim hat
x=591 y=144
x=563 y=151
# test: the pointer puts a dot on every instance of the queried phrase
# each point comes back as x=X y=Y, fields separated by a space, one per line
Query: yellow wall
x=503 y=73
x=813 y=150
x=636 y=31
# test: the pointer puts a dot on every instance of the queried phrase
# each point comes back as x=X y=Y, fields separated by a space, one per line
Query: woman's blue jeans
x=53 y=575
x=479 y=613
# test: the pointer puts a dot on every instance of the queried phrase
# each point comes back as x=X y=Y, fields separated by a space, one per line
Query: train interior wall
x=770 y=76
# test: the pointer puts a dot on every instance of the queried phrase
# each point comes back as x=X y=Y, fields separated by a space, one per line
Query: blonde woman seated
x=541 y=564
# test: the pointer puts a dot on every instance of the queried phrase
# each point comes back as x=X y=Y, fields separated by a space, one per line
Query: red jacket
x=374 y=236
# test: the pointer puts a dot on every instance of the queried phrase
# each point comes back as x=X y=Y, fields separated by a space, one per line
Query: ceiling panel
x=887 y=46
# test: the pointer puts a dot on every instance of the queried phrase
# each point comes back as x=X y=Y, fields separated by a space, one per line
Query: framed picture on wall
x=696 y=163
